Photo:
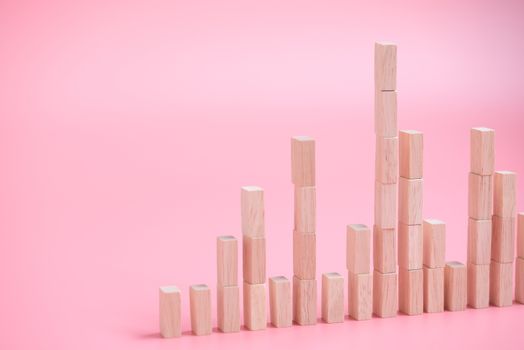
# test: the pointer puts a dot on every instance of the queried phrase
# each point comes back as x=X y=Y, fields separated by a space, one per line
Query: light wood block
x=386 y=160
x=501 y=284
x=252 y=211
x=455 y=286
x=480 y=196
x=433 y=289
x=227 y=261
x=503 y=239
x=385 y=66
x=304 y=255
x=304 y=301
x=385 y=296
x=255 y=306
x=305 y=209
x=358 y=247
x=479 y=241
x=520 y=235
x=411 y=154
x=519 y=280
x=410 y=246
x=504 y=204
x=280 y=302
x=170 y=311
x=386 y=114
x=360 y=295
x=482 y=151
x=228 y=308
x=332 y=297
x=411 y=291
x=200 y=307
x=384 y=250
x=254 y=259
x=303 y=161
x=385 y=205
x=410 y=193
x=478 y=286
x=434 y=243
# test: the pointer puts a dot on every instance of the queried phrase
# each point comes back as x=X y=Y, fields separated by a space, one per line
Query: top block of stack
x=385 y=66
x=504 y=203
x=252 y=211
x=303 y=161
x=411 y=150
x=482 y=146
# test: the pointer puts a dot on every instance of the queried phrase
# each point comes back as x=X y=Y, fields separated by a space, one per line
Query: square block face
x=410 y=246
x=254 y=259
x=385 y=297
x=503 y=239
x=386 y=114
x=385 y=66
x=252 y=211
x=228 y=309
x=410 y=201
x=358 y=248
x=280 y=301
x=227 y=261
x=411 y=295
x=520 y=235
x=385 y=205
x=386 y=160
x=411 y=152
x=478 y=286
x=384 y=250
x=519 y=280
x=482 y=148
x=501 y=284
x=505 y=194
x=255 y=306
x=433 y=289
x=304 y=255
x=479 y=241
x=305 y=209
x=360 y=295
x=455 y=286
x=200 y=309
x=170 y=312
x=434 y=243
x=332 y=297
x=304 y=301
x=480 y=196
x=303 y=161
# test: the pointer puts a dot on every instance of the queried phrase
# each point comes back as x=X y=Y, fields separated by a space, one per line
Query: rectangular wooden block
x=478 y=286
x=479 y=241
x=332 y=297
x=501 y=284
x=170 y=311
x=411 y=291
x=280 y=302
x=303 y=161
x=505 y=194
x=455 y=286
x=411 y=154
x=503 y=239
x=227 y=261
x=433 y=289
x=480 y=196
x=410 y=246
x=520 y=235
x=254 y=259
x=482 y=151
x=200 y=309
x=304 y=301
x=386 y=114
x=304 y=255
x=519 y=280
x=385 y=295
x=228 y=308
x=410 y=193
x=385 y=66
x=386 y=160
x=360 y=295
x=252 y=211
x=305 y=209
x=255 y=306
x=385 y=205
x=358 y=247
x=434 y=243
x=384 y=250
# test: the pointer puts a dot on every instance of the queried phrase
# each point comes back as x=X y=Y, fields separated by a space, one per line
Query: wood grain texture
x=305 y=209
x=482 y=151
x=480 y=196
x=520 y=235
x=227 y=261
x=455 y=286
x=385 y=66
x=255 y=317
x=252 y=211
x=228 y=309
x=501 y=284
x=433 y=289
x=504 y=200
x=385 y=205
x=503 y=239
x=304 y=255
x=410 y=246
x=434 y=243
x=519 y=280
x=384 y=250
x=410 y=194
x=254 y=259
x=411 y=291
x=386 y=160
x=478 y=286
x=200 y=309
x=304 y=301
x=360 y=295
x=479 y=241
x=358 y=248
x=280 y=302
x=303 y=161
x=170 y=311
x=411 y=148
x=332 y=297
x=385 y=296
x=386 y=114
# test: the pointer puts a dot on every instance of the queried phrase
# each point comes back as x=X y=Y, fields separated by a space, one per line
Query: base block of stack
x=433 y=289
x=519 y=280
x=304 y=301
x=170 y=312
x=478 y=286
x=455 y=286
x=385 y=297
x=255 y=306
x=501 y=284
x=228 y=309
x=280 y=301
x=200 y=307
x=360 y=295
x=411 y=295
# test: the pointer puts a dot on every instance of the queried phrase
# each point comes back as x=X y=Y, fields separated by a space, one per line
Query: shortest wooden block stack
x=433 y=257
x=280 y=301
x=170 y=312
x=455 y=286
x=200 y=307
x=360 y=279
x=332 y=297
x=519 y=262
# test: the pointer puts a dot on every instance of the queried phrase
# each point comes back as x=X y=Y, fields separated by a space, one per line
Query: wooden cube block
x=386 y=113
x=520 y=235
x=434 y=243
x=501 y=284
x=479 y=241
x=385 y=205
x=304 y=301
x=280 y=302
x=410 y=201
x=410 y=246
x=455 y=286
x=433 y=289
x=304 y=255
x=305 y=209
x=170 y=312
x=332 y=297
x=303 y=161
x=386 y=160
x=411 y=291
x=385 y=66
x=385 y=296
x=252 y=211
x=480 y=196
x=228 y=308
x=254 y=259
x=505 y=194
x=519 y=280
x=503 y=239
x=384 y=250
x=200 y=307
x=255 y=306
x=360 y=295
x=478 y=286
x=227 y=261
x=482 y=149
x=411 y=151
x=358 y=248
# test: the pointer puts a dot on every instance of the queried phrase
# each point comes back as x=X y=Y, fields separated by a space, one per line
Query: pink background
x=128 y=127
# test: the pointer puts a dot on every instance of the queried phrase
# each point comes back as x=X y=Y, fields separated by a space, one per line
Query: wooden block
x=305 y=209
x=520 y=235
x=228 y=308
x=170 y=312
x=303 y=161
x=385 y=66
x=480 y=196
x=501 y=284
x=280 y=302
x=433 y=289
x=385 y=296
x=410 y=201
x=410 y=246
x=411 y=154
x=505 y=194
x=385 y=205
x=386 y=160
x=482 y=151
x=358 y=248
x=384 y=250
x=227 y=261
x=252 y=211
x=200 y=307
x=332 y=297
x=519 y=280
x=386 y=113
x=434 y=243
x=455 y=286
x=254 y=259
x=304 y=255
x=411 y=291
x=360 y=295
x=479 y=241
x=304 y=301
x=503 y=239
x=478 y=286
x=255 y=306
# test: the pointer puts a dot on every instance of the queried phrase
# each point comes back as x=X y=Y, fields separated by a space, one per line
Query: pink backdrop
x=128 y=127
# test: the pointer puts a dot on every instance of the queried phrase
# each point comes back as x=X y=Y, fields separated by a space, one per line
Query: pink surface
x=127 y=129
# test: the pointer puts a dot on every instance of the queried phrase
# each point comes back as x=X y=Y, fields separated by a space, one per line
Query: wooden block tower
x=360 y=279
x=519 y=262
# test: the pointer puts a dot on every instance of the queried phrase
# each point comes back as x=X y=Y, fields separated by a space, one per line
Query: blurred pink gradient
x=128 y=127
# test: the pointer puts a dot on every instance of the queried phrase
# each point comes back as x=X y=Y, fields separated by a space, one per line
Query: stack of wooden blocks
x=519 y=262
x=228 y=295
x=360 y=281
